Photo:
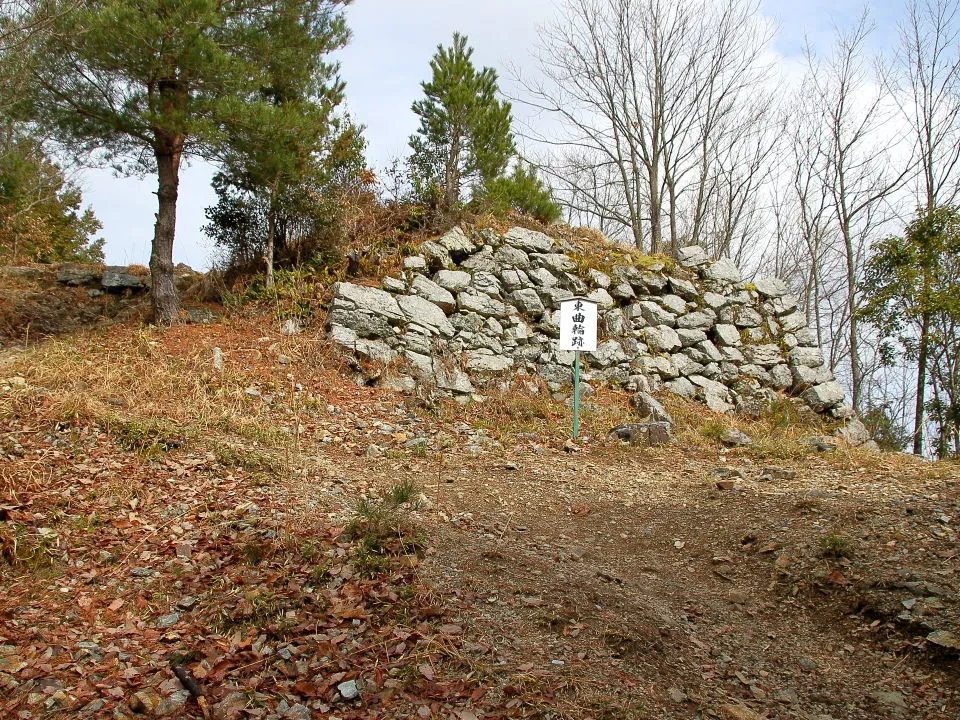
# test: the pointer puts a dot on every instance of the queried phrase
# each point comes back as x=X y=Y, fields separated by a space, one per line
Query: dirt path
x=631 y=577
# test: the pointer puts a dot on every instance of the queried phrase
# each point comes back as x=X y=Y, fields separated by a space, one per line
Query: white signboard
x=578 y=324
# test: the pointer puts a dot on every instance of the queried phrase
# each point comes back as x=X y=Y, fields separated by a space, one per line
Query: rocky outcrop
x=473 y=306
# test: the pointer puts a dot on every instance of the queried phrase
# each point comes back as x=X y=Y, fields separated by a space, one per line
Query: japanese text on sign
x=578 y=325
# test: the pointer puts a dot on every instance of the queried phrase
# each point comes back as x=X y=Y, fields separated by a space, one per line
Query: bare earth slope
x=158 y=512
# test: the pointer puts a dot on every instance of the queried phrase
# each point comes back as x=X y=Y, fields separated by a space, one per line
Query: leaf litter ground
x=156 y=513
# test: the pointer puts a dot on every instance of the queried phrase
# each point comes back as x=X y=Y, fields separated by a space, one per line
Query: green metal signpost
x=578 y=332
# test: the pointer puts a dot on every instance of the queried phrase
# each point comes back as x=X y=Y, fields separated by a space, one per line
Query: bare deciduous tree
x=924 y=82
x=649 y=100
x=856 y=163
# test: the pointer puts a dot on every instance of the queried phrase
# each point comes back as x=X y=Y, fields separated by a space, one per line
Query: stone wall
x=474 y=307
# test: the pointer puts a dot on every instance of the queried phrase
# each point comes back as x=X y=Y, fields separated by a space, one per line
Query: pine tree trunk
x=271 y=235
x=163 y=291
x=452 y=179
x=921 y=386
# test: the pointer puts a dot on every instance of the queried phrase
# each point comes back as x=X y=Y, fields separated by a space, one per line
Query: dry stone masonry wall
x=472 y=308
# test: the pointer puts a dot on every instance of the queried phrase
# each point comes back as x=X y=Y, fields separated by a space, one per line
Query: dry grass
x=153 y=391
x=518 y=414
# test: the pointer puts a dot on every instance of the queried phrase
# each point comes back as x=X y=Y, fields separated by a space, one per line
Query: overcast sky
x=383 y=67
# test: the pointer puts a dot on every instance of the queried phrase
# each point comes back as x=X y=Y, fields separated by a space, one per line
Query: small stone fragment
x=738 y=712
x=145 y=701
x=298 y=712
x=735 y=438
x=676 y=695
x=230 y=707
x=348 y=690
x=291 y=327
x=944 y=638
x=168 y=620
x=648 y=434
x=777 y=473
x=890 y=698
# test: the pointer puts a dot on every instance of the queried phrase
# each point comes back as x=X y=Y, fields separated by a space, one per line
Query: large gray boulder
x=692 y=256
x=514 y=279
x=763 y=355
x=529 y=241
x=645 y=434
x=674 y=303
x=436 y=255
x=723 y=271
x=528 y=302
x=727 y=334
x=555 y=262
x=629 y=275
x=662 y=339
x=821 y=398
x=808 y=356
x=483 y=260
x=781 y=377
x=622 y=292
x=509 y=256
x=682 y=387
x=374 y=350
x=746 y=317
x=487 y=362
x=599 y=279
x=487 y=282
x=659 y=365
x=424 y=313
x=685 y=365
x=609 y=352
x=653 y=314
x=75 y=274
x=366 y=299
x=452 y=280
x=771 y=287
x=543 y=277
x=457 y=243
x=715 y=395
x=684 y=288
x=117 y=278
x=805 y=377
x=471 y=300
x=700 y=320
x=602 y=298
x=710 y=350
x=793 y=322
x=434 y=293
x=853 y=432
x=715 y=301
x=689 y=338
x=647 y=406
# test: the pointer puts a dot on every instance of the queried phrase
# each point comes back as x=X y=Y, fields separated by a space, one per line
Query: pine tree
x=277 y=152
x=142 y=84
x=464 y=134
x=524 y=192
x=41 y=219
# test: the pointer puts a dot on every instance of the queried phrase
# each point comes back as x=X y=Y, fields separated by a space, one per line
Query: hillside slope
x=164 y=504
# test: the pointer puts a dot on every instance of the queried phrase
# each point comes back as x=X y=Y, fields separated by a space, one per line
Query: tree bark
x=168 y=149
x=452 y=179
x=921 y=386
x=271 y=234
x=856 y=372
